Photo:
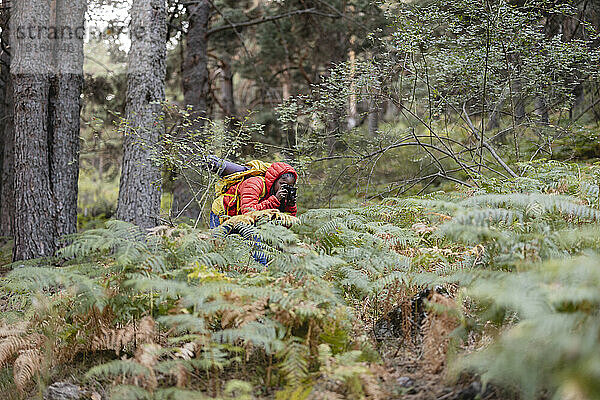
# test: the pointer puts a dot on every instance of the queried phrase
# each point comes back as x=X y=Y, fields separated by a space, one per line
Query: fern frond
x=117 y=339
x=294 y=364
x=549 y=203
x=15 y=344
x=183 y=323
x=26 y=366
x=174 y=393
x=127 y=368
x=130 y=392
x=16 y=329
x=260 y=334
x=124 y=241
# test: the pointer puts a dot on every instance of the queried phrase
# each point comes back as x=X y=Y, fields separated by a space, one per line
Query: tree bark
x=7 y=195
x=373 y=116
x=7 y=199
x=227 y=94
x=140 y=187
x=518 y=100
x=196 y=95
x=34 y=229
x=195 y=63
x=352 y=102
x=334 y=115
x=65 y=107
x=541 y=109
x=494 y=119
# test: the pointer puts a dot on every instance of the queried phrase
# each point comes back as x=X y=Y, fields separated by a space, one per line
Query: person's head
x=287 y=178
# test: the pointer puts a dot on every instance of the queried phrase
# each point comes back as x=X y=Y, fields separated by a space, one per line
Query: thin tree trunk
x=3 y=82
x=374 y=105
x=335 y=114
x=34 y=229
x=7 y=199
x=373 y=116
x=391 y=111
x=579 y=98
x=140 y=187
x=4 y=78
x=494 y=119
x=352 y=102
x=286 y=86
x=227 y=94
x=519 y=100
x=196 y=95
x=65 y=106
x=541 y=109
x=195 y=63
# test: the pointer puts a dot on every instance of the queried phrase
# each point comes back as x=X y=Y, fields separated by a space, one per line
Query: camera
x=291 y=191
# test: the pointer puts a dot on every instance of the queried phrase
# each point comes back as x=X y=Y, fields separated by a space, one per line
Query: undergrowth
x=180 y=313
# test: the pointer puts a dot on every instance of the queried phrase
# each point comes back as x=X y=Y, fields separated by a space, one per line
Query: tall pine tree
x=35 y=230
x=46 y=75
x=140 y=187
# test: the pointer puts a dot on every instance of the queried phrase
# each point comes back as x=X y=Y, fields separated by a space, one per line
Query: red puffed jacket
x=253 y=193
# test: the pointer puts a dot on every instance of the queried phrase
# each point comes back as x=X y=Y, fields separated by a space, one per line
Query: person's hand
x=281 y=194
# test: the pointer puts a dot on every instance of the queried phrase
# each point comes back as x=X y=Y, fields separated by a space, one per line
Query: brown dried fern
x=187 y=351
x=146 y=330
x=17 y=329
x=26 y=366
x=181 y=374
x=118 y=338
x=113 y=339
x=10 y=346
x=238 y=316
x=436 y=328
x=147 y=355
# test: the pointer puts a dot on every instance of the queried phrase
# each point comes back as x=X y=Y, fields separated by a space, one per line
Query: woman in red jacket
x=261 y=193
x=258 y=193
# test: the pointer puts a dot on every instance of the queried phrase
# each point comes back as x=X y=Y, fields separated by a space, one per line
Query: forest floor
x=414 y=361
x=406 y=376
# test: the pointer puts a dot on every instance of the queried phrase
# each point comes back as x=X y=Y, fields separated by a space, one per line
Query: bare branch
x=263 y=19
x=487 y=145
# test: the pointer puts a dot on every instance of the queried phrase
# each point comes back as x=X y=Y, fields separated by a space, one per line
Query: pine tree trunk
x=140 y=187
x=373 y=116
x=518 y=101
x=227 y=94
x=194 y=68
x=195 y=93
x=494 y=118
x=7 y=200
x=34 y=229
x=3 y=113
x=65 y=106
x=541 y=109
x=7 y=195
